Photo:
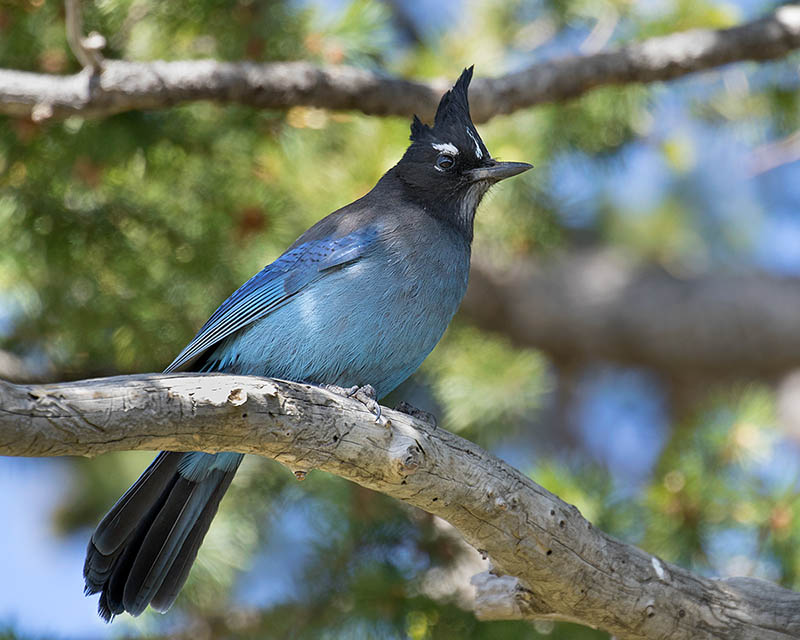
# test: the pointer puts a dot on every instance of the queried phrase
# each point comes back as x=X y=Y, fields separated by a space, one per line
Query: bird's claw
x=365 y=394
x=419 y=414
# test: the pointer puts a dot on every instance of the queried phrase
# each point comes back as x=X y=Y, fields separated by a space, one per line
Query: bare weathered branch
x=123 y=86
x=565 y=567
x=600 y=305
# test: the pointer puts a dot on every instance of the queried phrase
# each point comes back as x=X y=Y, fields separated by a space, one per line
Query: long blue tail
x=143 y=549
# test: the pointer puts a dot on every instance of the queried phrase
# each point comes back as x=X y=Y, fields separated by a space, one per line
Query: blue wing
x=273 y=286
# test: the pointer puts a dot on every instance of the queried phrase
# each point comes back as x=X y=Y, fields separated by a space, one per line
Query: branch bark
x=600 y=305
x=124 y=86
x=565 y=568
x=86 y=50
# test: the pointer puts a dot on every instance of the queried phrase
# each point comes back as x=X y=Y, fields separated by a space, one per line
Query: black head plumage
x=452 y=122
x=447 y=168
x=454 y=104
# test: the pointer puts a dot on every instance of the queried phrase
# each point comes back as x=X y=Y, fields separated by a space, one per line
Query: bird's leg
x=366 y=395
x=419 y=414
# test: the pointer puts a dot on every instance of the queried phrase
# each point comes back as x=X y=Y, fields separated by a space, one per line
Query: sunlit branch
x=564 y=568
x=124 y=86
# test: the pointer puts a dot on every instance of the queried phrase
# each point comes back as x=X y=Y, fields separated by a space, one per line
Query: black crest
x=453 y=110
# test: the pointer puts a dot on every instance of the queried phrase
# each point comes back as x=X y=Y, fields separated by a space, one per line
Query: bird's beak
x=496 y=171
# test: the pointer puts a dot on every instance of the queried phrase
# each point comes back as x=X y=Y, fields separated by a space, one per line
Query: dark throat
x=455 y=207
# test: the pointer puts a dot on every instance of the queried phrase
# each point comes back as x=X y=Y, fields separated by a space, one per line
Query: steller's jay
x=359 y=299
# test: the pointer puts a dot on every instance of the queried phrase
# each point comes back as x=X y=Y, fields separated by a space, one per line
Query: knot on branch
x=237 y=397
x=41 y=111
x=505 y=598
x=502 y=502
x=408 y=460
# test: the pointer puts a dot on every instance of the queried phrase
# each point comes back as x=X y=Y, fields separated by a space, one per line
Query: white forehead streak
x=445 y=146
x=478 y=151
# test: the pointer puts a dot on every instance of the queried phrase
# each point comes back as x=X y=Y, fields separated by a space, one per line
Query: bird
x=355 y=304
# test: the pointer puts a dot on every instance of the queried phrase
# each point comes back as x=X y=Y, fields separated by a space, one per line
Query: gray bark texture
x=600 y=305
x=114 y=86
x=562 y=567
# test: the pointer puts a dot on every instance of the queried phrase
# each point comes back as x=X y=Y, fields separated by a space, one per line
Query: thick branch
x=565 y=567
x=123 y=86
x=601 y=306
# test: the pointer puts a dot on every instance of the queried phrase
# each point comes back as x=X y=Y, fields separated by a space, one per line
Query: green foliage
x=483 y=384
x=716 y=479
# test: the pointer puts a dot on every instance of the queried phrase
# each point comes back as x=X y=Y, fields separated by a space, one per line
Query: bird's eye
x=445 y=161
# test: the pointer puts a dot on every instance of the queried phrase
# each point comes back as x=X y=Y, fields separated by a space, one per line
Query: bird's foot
x=419 y=414
x=366 y=395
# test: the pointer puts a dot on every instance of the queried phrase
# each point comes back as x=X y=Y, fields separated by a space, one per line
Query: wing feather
x=274 y=285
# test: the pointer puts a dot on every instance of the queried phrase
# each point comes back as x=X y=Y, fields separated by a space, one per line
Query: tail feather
x=96 y=570
x=125 y=555
x=163 y=542
x=125 y=515
x=126 y=523
x=143 y=549
x=179 y=571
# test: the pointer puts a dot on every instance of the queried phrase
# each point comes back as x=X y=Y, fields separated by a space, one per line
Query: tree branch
x=565 y=567
x=599 y=305
x=86 y=50
x=123 y=86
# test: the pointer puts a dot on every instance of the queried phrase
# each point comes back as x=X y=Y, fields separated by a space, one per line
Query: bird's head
x=447 y=168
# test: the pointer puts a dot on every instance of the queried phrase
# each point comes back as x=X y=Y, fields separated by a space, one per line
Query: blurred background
x=118 y=237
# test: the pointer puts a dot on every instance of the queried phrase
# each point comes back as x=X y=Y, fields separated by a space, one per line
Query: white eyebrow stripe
x=478 y=151
x=445 y=146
